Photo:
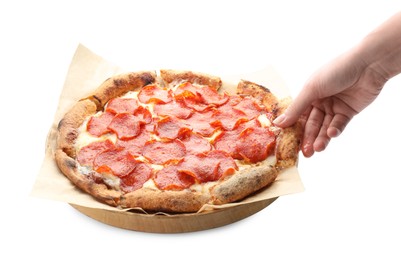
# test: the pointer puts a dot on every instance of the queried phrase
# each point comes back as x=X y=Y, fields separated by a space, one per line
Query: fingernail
x=335 y=132
x=307 y=149
x=279 y=120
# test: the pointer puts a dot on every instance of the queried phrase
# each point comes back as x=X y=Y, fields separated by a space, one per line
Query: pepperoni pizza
x=172 y=142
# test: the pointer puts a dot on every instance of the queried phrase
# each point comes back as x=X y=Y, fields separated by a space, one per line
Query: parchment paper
x=86 y=72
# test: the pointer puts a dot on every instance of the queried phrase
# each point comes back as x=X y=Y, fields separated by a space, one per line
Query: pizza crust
x=165 y=201
x=68 y=126
x=120 y=84
x=244 y=183
x=175 y=76
x=288 y=145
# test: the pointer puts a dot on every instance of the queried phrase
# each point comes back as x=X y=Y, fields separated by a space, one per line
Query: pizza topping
x=97 y=125
x=126 y=126
x=88 y=153
x=200 y=166
x=171 y=128
x=170 y=178
x=206 y=167
x=116 y=161
x=200 y=123
x=227 y=165
x=227 y=141
x=249 y=141
x=122 y=105
x=249 y=107
x=176 y=108
x=158 y=152
x=154 y=94
x=136 y=178
x=211 y=96
x=143 y=115
x=136 y=144
x=199 y=98
x=228 y=119
x=195 y=143
x=186 y=90
x=255 y=144
x=201 y=94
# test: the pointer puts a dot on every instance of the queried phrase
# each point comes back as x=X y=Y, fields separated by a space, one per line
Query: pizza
x=172 y=141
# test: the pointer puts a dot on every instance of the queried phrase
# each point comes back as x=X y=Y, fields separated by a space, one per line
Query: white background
x=350 y=208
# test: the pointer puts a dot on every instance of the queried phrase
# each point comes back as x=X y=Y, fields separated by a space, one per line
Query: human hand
x=330 y=99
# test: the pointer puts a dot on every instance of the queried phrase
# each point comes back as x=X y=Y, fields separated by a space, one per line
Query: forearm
x=381 y=49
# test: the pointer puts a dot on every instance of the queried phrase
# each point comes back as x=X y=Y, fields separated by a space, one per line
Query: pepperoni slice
x=228 y=119
x=233 y=100
x=136 y=144
x=228 y=140
x=199 y=97
x=227 y=165
x=185 y=90
x=88 y=153
x=170 y=178
x=122 y=105
x=98 y=125
x=250 y=108
x=176 y=109
x=154 y=94
x=171 y=128
x=143 y=115
x=234 y=112
x=197 y=105
x=189 y=95
x=195 y=143
x=200 y=123
x=201 y=167
x=126 y=126
x=136 y=178
x=255 y=144
x=211 y=96
x=116 y=161
x=164 y=152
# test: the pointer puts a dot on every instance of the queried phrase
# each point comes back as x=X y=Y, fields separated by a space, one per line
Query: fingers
x=312 y=128
x=337 y=125
x=319 y=128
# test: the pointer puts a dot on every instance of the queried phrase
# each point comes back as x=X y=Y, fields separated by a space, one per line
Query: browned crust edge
x=121 y=84
x=165 y=201
x=172 y=76
x=288 y=142
x=244 y=183
x=67 y=129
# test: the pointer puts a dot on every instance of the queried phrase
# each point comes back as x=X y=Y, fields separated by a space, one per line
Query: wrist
x=381 y=49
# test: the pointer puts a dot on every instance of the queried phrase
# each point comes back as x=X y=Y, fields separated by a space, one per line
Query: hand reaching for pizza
x=345 y=86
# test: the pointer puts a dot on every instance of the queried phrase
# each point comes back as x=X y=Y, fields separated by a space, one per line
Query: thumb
x=294 y=111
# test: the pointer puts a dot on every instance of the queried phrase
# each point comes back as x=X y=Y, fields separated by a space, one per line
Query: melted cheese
x=264 y=121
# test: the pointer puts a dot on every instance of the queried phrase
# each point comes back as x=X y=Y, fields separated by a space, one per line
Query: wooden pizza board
x=178 y=223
